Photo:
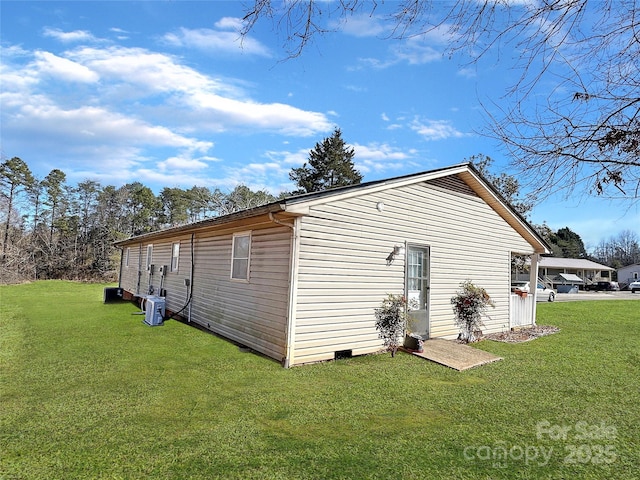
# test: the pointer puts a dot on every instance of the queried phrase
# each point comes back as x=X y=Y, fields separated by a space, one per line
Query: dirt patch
x=522 y=334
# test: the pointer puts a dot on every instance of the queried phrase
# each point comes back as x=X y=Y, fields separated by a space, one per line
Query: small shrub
x=391 y=321
x=469 y=304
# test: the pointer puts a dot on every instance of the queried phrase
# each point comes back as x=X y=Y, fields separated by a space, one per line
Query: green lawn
x=89 y=391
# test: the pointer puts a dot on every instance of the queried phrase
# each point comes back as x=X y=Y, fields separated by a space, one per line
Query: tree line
x=53 y=230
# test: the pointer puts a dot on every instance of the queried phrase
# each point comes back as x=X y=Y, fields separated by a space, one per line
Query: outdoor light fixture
x=380 y=206
x=397 y=250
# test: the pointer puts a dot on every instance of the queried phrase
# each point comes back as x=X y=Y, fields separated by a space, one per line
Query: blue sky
x=167 y=94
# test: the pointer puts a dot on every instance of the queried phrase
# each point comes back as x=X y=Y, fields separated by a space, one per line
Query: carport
x=567 y=282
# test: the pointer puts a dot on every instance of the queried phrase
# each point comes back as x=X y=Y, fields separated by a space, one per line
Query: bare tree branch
x=585 y=133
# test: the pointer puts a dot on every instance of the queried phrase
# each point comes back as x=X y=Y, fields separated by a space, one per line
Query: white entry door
x=417 y=290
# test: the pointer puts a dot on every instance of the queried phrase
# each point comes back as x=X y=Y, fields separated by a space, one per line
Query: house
x=298 y=279
x=628 y=274
x=556 y=271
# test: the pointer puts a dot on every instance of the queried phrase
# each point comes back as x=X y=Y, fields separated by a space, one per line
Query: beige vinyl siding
x=146 y=278
x=252 y=313
x=176 y=294
x=129 y=273
x=344 y=275
x=172 y=282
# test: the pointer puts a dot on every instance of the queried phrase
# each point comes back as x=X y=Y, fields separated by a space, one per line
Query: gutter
x=204 y=224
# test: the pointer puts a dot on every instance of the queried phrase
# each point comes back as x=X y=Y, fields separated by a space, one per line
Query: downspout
x=191 y=279
x=139 y=270
x=293 y=287
x=533 y=284
x=121 y=266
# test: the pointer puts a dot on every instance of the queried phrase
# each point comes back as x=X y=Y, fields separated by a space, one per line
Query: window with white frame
x=175 y=256
x=149 y=256
x=127 y=254
x=240 y=256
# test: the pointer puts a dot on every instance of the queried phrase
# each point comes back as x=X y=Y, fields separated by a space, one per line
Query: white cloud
x=64 y=69
x=217 y=104
x=130 y=107
x=442 y=35
x=120 y=33
x=262 y=176
x=371 y=158
x=153 y=72
x=380 y=152
x=69 y=37
x=226 y=39
x=412 y=51
x=39 y=117
x=286 y=159
x=415 y=51
x=182 y=163
x=279 y=117
x=374 y=63
x=229 y=23
x=379 y=157
x=468 y=72
x=361 y=25
x=435 y=129
x=159 y=177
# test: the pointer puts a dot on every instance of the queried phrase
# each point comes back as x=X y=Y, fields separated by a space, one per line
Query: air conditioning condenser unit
x=154 y=311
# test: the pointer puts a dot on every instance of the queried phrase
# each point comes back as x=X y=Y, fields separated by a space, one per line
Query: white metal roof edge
x=300 y=204
x=303 y=202
x=501 y=206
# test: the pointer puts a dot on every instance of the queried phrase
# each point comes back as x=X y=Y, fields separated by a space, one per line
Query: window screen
x=240 y=256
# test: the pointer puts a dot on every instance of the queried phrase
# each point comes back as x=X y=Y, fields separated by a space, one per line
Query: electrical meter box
x=154 y=311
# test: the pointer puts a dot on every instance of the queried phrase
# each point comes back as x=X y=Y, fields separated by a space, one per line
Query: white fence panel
x=521 y=308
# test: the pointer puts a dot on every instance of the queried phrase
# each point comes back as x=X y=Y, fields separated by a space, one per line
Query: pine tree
x=14 y=175
x=330 y=165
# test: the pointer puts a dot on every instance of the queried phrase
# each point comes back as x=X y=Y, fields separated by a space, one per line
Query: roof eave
x=498 y=203
x=301 y=204
x=209 y=223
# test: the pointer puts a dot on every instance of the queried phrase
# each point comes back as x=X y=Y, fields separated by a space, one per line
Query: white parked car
x=634 y=286
x=543 y=293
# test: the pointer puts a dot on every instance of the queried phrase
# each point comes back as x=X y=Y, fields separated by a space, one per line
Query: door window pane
x=417 y=290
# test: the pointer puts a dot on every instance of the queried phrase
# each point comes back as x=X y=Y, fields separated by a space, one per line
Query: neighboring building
x=556 y=271
x=299 y=279
x=628 y=274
